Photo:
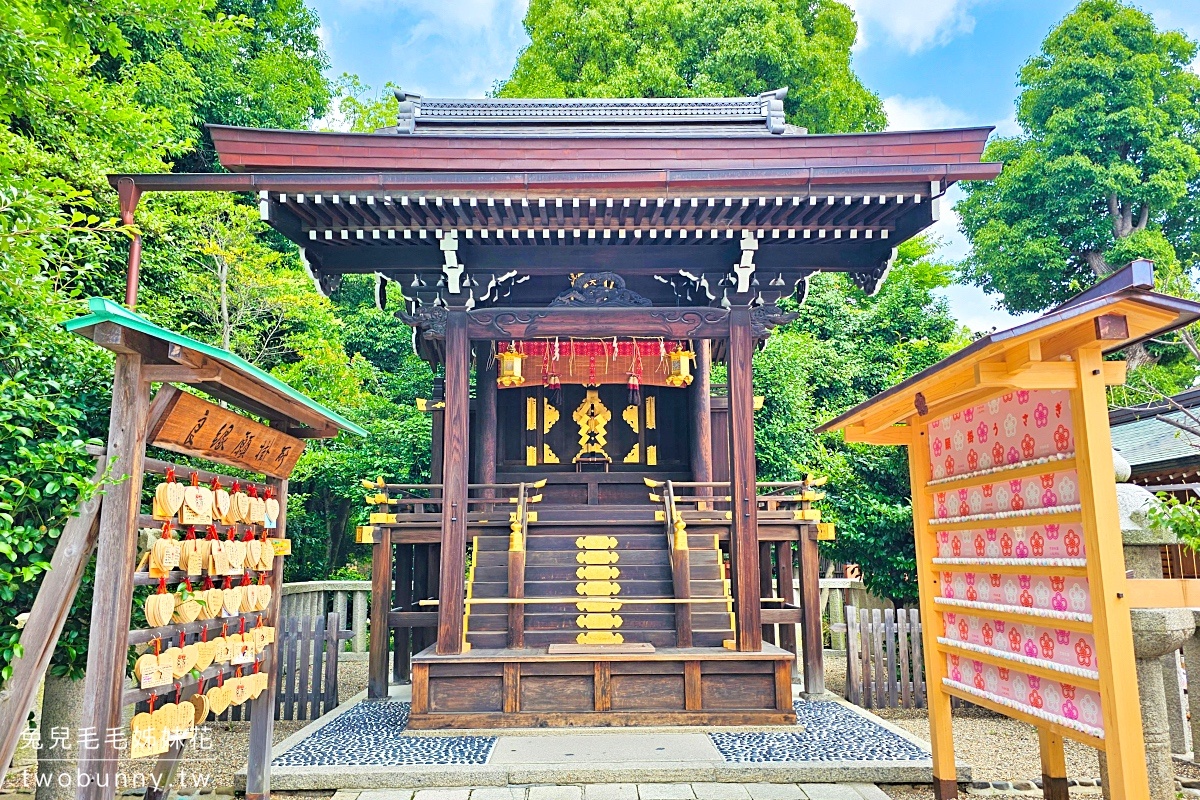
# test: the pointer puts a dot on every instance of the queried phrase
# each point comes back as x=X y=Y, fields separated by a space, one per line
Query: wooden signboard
x=195 y=427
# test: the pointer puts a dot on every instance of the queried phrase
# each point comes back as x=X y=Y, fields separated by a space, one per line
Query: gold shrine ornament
x=679 y=368
x=508 y=368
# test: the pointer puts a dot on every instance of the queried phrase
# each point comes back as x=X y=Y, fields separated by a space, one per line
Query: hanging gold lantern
x=508 y=367
x=679 y=365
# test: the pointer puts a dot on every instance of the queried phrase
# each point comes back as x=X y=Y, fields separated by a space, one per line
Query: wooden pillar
x=787 y=590
x=485 y=415
x=116 y=557
x=941 y=735
x=1111 y=625
x=128 y=195
x=262 y=709
x=402 y=642
x=811 y=639
x=743 y=539
x=766 y=585
x=381 y=604
x=1054 y=766
x=701 y=422
x=454 y=483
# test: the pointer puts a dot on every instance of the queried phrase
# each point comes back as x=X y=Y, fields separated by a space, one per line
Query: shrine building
x=594 y=547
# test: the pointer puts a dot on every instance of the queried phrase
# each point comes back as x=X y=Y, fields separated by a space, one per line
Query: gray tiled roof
x=762 y=115
x=1152 y=441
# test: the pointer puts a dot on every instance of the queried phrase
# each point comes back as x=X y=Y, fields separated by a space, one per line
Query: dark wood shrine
x=594 y=547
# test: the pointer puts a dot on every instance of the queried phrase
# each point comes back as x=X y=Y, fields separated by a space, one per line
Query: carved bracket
x=429 y=320
x=597 y=289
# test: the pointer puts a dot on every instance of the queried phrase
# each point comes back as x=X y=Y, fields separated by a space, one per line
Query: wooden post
x=128 y=195
x=941 y=735
x=454 y=482
x=381 y=604
x=702 y=416
x=46 y=620
x=766 y=584
x=262 y=708
x=743 y=539
x=787 y=591
x=1111 y=625
x=812 y=641
x=1054 y=766
x=485 y=416
x=117 y=543
x=402 y=646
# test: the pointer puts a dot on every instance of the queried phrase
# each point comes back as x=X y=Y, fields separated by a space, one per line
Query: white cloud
x=914 y=25
x=922 y=113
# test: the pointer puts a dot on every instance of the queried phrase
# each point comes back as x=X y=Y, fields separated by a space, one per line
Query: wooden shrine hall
x=594 y=547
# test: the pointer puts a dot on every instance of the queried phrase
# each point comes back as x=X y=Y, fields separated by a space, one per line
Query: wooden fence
x=884 y=665
x=307 y=665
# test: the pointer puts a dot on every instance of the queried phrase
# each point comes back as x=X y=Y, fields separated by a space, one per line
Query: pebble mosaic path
x=372 y=734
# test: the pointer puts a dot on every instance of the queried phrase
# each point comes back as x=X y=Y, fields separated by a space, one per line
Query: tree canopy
x=1106 y=168
x=699 y=48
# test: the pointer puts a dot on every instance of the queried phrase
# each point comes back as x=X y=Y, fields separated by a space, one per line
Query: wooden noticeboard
x=196 y=427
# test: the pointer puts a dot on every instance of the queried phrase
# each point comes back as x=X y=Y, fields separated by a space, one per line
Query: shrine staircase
x=595 y=560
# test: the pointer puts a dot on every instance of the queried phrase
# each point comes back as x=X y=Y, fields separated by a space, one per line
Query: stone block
x=780 y=791
x=720 y=791
x=498 y=793
x=457 y=793
x=665 y=791
x=610 y=791
x=555 y=793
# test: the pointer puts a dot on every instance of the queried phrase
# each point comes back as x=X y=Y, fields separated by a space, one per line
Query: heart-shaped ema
x=257 y=511
x=165 y=720
x=185 y=720
x=266 y=557
x=218 y=699
x=236 y=553
x=205 y=653
x=200 y=709
x=218 y=558
x=220 y=652
x=232 y=600
x=240 y=506
x=254 y=549
x=210 y=601
x=197 y=506
x=272 y=508
x=189 y=659
x=143 y=740
x=257 y=682
x=250 y=598
x=195 y=551
x=165 y=555
x=159 y=609
x=237 y=646
x=264 y=596
x=146 y=661
x=186 y=610
x=241 y=692
x=259 y=636
x=220 y=500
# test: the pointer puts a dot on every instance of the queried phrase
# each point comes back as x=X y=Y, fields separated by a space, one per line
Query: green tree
x=1106 y=168
x=844 y=348
x=698 y=48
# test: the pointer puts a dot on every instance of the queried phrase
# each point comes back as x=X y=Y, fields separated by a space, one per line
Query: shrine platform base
x=533 y=688
x=368 y=745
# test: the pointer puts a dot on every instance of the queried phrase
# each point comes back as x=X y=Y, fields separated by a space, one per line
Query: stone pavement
x=633 y=791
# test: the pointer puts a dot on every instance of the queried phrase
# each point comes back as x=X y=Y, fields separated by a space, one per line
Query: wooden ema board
x=1015 y=543
x=196 y=427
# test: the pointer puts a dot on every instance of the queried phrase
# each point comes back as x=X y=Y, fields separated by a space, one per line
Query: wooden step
x=568 y=573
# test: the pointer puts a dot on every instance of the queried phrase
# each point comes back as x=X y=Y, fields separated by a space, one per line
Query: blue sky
x=936 y=63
